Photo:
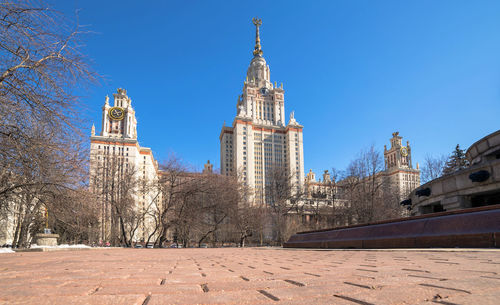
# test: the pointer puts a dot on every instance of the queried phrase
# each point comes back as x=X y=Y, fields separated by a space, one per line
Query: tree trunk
x=15 y=242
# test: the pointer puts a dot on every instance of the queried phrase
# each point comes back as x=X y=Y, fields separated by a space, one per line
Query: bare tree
x=370 y=194
x=216 y=202
x=46 y=170
x=41 y=155
x=74 y=216
x=247 y=222
x=246 y=219
x=172 y=184
x=365 y=184
x=185 y=214
x=120 y=189
x=432 y=168
x=284 y=195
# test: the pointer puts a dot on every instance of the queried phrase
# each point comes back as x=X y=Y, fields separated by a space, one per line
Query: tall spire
x=257 y=50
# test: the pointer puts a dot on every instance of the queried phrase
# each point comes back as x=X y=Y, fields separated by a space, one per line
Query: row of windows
x=409 y=177
x=107 y=147
x=229 y=154
x=119 y=158
x=264 y=108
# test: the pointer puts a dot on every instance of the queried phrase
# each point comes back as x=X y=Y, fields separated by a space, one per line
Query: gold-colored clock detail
x=404 y=151
x=116 y=113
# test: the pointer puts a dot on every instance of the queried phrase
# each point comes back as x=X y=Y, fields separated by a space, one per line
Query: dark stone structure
x=475 y=186
x=472 y=228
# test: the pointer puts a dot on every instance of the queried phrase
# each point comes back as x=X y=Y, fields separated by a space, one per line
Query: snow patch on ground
x=6 y=250
x=34 y=246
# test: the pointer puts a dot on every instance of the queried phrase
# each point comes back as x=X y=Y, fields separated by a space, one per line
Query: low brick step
x=471 y=228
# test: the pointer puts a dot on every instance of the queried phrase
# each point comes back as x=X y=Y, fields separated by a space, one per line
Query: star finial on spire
x=257 y=50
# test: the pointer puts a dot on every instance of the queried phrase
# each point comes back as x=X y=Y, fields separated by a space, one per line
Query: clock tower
x=116 y=156
x=398 y=166
x=398 y=156
x=118 y=121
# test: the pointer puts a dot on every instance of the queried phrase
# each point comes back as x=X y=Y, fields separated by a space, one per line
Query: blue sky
x=353 y=71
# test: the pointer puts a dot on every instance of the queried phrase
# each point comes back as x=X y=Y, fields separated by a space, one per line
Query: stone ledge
x=476 y=228
x=47 y=249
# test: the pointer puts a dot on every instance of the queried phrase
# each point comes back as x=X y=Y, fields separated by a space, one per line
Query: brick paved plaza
x=251 y=275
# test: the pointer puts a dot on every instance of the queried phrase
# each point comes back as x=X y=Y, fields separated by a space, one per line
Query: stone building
x=398 y=178
x=323 y=201
x=475 y=186
x=319 y=192
x=259 y=139
x=399 y=168
x=116 y=156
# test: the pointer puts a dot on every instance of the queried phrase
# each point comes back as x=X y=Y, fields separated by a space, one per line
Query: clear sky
x=353 y=71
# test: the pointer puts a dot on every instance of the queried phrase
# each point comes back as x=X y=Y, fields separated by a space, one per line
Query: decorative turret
x=258 y=72
x=310 y=177
x=257 y=50
x=326 y=177
x=398 y=156
x=119 y=120
x=396 y=140
x=208 y=168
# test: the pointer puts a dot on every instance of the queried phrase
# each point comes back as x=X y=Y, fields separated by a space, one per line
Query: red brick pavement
x=250 y=276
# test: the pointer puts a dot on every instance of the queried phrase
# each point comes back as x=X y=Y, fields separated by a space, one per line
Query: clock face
x=404 y=151
x=116 y=113
x=264 y=91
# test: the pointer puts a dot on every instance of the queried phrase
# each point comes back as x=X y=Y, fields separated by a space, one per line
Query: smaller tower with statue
x=399 y=167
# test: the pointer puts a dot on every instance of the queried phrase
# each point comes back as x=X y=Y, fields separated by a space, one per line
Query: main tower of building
x=259 y=140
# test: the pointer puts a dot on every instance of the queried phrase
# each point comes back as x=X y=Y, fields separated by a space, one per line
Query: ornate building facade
x=398 y=177
x=475 y=186
x=259 y=140
x=120 y=169
x=399 y=168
